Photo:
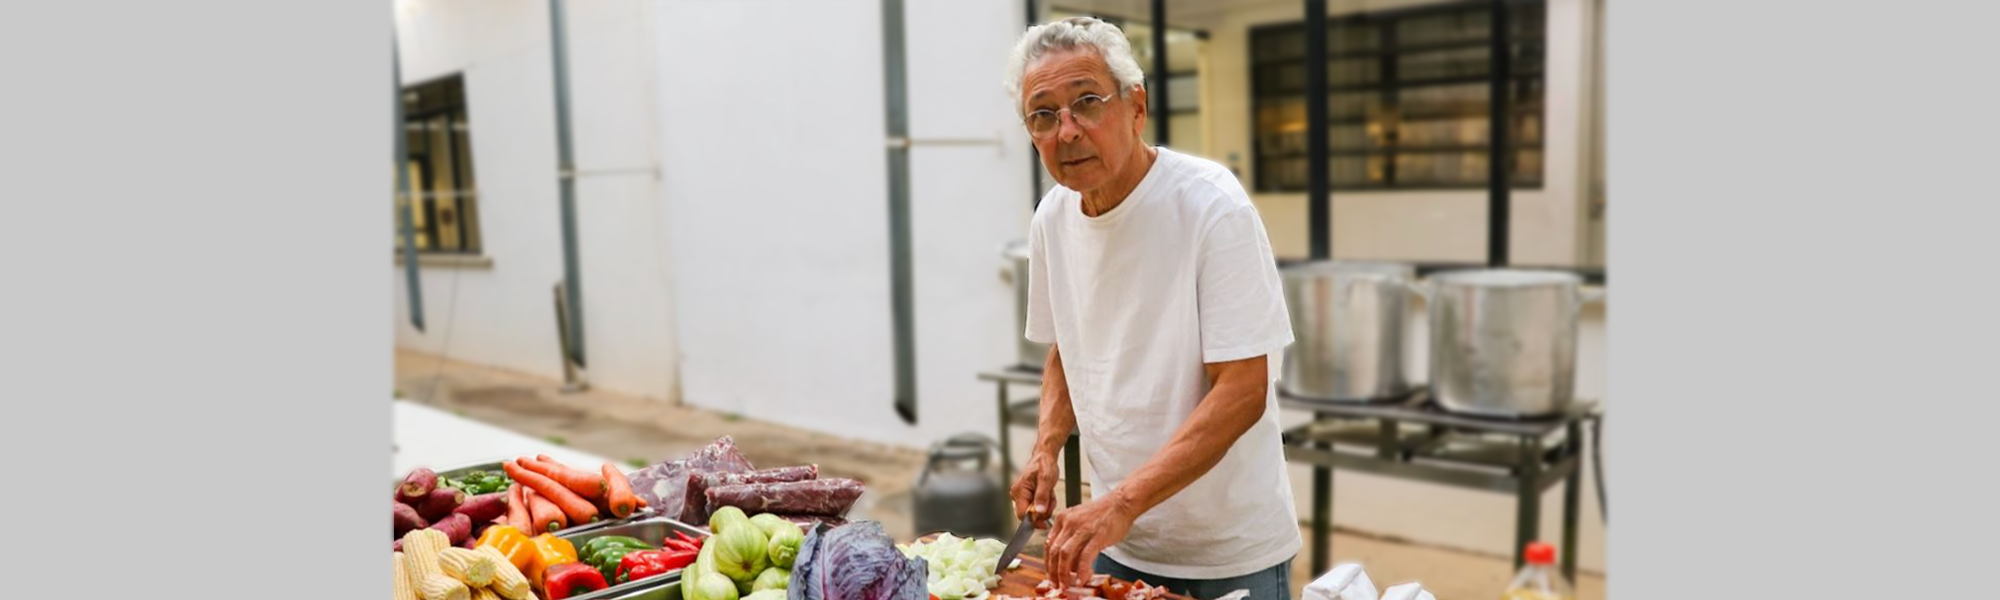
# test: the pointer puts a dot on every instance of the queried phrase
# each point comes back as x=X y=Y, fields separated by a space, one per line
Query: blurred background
x=641 y=224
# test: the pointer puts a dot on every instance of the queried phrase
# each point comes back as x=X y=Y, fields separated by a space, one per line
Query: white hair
x=1070 y=34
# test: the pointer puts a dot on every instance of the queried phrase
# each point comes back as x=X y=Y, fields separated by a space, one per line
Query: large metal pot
x=1032 y=356
x=1503 y=342
x=1348 y=318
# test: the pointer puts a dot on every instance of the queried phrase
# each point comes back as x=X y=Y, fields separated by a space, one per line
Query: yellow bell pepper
x=549 y=551
x=511 y=543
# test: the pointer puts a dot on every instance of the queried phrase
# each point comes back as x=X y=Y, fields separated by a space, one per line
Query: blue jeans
x=1274 y=583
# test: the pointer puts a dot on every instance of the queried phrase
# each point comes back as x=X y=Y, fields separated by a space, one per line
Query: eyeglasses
x=1086 y=111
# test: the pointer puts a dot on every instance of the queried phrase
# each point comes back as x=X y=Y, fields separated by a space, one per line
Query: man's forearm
x=1231 y=407
x=1057 y=419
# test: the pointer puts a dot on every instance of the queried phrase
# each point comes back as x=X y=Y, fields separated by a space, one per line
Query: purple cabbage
x=856 y=561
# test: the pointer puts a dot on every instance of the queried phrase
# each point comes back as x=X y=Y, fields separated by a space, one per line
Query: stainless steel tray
x=494 y=465
x=670 y=591
x=652 y=530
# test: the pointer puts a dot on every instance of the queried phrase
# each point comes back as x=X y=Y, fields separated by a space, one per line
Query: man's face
x=1081 y=152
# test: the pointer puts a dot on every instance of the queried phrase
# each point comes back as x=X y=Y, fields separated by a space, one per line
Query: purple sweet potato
x=484 y=508
x=407 y=519
x=456 y=528
x=417 y=486
x=440 y=503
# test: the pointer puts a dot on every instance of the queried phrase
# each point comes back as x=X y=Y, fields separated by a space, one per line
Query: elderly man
x=1152 y=280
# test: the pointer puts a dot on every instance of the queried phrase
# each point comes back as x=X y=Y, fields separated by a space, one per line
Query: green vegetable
x=773 y=578
x=770 y=522
x=606 y=560
x=727 y=518
x=710 y=586
x=740 y=553
x=766 y=595
x=599 y=543
x=783 y=546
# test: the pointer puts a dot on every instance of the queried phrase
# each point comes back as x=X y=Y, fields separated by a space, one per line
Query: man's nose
x=1067 y=129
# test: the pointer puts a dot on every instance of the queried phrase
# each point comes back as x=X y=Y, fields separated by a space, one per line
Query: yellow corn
x=404 y=590
x=508 y=581
x=473 y=568
x=421 y=548
x=442 y=587
x=485 y=593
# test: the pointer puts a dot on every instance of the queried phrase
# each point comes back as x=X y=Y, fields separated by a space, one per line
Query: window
x=1407 y=99
x=445 y=211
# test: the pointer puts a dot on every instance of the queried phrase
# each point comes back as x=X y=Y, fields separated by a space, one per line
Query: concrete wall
x=504 y=315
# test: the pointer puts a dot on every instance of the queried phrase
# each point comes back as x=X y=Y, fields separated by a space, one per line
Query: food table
x=428 y=437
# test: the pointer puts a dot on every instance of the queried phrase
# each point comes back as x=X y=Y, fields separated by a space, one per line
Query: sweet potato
x=484 y=508
x=440 y=504
x=417 y=486
x=407 y=519
x=456 y=528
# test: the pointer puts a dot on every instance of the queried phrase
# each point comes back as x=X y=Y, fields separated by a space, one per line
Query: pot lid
x=1506 y=278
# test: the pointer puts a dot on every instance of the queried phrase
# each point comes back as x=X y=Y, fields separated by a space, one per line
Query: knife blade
x=1021 y=536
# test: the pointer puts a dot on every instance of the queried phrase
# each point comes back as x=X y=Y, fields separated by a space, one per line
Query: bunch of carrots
x=548 y=496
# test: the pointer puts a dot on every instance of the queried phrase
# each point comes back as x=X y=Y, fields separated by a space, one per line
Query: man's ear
x=1139 y=110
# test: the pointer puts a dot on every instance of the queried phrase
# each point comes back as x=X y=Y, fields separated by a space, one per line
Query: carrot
x=573 y=506
x=584 y=483
x=517 y=509
x=618 y=492
x=545 y=517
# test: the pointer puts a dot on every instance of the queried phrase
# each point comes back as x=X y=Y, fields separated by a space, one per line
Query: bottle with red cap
x=1539 y=579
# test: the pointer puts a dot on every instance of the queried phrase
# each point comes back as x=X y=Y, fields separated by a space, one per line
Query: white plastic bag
x=1344 y=582
x=1407 y=591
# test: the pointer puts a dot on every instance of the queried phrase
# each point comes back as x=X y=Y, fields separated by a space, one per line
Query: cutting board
x=1021 y=582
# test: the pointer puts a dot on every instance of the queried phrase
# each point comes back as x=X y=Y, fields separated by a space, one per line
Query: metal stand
x=1027 y=413
x=1512 y=456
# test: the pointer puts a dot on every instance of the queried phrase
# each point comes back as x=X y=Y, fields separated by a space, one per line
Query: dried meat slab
x=829 y=497
x=698 y=508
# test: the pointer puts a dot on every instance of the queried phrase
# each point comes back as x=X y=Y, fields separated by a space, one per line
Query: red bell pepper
x=650 y=563
x=569 y=580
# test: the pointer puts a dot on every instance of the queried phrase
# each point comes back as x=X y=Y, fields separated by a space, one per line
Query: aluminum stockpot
x=1503 y=341
x=1031 y=355
x=1348 y=318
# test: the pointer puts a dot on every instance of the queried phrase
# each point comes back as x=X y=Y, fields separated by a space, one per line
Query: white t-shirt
x=1137 y=300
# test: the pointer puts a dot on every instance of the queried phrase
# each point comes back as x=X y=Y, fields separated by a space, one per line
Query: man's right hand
x=1035 y=491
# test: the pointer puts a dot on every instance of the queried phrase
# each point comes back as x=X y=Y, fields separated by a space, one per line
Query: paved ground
x=627 y=428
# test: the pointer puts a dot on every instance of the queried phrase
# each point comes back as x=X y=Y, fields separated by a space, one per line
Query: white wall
x=504 y=316
x=777 y=186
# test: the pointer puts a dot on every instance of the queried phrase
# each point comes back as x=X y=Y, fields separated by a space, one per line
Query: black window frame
x=1272 y=157
x=424 y=104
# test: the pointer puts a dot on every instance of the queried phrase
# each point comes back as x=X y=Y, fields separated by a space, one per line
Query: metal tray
x=652 y=530
x=494 y=465
x=670 y=591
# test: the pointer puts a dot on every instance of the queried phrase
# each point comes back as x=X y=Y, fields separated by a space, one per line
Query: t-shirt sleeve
x=1241 y=298
x=1041 y=324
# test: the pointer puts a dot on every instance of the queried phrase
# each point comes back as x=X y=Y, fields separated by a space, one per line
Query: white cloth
x=1136 y=301
x=1344 y=582
x=1407 y=591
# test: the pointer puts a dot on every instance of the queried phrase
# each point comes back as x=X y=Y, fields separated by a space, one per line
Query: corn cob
x=485 y=593
x=404 y=589
x=508 y=581
x=441 y=587
x=473 y=568
x=420 y=549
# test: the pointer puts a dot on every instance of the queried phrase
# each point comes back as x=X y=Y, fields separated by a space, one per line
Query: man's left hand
x=1083 y=531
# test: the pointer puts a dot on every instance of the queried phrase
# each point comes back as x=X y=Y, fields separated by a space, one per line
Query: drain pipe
x=1499 y=152
x=403 y=188
x=566 y=173
x=901 y=296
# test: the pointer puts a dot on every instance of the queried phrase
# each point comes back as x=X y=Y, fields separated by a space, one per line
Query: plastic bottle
x=1539 y=579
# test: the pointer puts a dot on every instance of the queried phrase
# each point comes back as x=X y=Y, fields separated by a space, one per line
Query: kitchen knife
x=1021 y=536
